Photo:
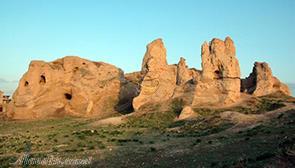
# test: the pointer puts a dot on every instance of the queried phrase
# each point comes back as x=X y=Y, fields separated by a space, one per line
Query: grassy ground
x=156 y=139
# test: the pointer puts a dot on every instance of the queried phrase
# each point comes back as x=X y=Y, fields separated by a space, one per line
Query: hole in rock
x=218 y=74
x=42 y=79
x=68 y=96
x=1 y=109
x=26 y=83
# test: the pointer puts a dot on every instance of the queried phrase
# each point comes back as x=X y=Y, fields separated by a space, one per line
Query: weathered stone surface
x=261 y=81
x=186 y=79
x=187 y=113
x=155 y=57
x=220 y=79
x=78 y=87
x=184 y=74
x=67 y=86
x=219 y=60
x=159 y=78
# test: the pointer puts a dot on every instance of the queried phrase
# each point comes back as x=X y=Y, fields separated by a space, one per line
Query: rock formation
x=186 y=113
x=183 y=73
x=220 y=79
x=78 y=87
x=261 y=82
x=159 y=78
x=186 y=79
x=67 y=86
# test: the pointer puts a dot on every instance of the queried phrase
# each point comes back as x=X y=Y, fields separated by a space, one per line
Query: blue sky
x=117 y=31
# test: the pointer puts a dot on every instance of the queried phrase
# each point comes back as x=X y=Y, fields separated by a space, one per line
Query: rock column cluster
x=78 y=87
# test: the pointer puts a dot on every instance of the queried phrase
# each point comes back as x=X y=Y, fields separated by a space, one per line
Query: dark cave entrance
x=68 y=96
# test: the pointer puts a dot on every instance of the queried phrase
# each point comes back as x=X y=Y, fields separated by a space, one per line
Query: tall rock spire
x=220 y=79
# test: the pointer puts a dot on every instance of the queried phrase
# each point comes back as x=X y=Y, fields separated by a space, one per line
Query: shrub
x=153 y=149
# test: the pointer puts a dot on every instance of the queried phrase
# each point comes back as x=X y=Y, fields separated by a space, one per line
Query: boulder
x=261 y=82
x=158 y=78
x=187 y=113
x=220 y=78
x=67 y=86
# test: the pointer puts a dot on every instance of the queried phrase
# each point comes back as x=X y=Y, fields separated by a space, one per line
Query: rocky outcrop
x=261 y=82
x=186 y=79
x=154 y=59
x=159 y=78
x=78 y=87
x=184 y=74
x=220 y=79
x=219 y=60
x=67 y=86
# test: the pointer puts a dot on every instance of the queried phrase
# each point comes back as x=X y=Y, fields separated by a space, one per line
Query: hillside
x=258 y=135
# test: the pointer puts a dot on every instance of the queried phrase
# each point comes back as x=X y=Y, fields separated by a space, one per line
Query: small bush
x=153 y=149
x=91 y=147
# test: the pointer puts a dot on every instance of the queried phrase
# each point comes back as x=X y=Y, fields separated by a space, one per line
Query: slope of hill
x=260 y=134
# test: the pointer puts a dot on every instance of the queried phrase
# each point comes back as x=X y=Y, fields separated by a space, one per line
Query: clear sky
x=117 y=31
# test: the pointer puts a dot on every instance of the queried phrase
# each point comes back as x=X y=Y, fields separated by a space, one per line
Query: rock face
x=261 y=81
x=220 y=79
x=186 y=79
x=155 y=57
x=219 y=60
x=184 y=74
x=159 y=78
x=67 y=86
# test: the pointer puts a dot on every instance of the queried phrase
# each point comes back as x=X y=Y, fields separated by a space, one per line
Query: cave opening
x=218 y=74
x=42 y=79
x=26 y=83
x=68 y=96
